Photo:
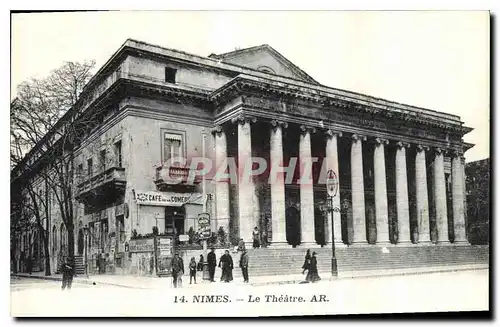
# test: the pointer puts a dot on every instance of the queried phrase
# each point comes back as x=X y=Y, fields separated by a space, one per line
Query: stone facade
x=393 y=161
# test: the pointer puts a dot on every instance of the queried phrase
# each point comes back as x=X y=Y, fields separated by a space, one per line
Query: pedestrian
x=256 y=238
x=200 y=263
x=226 y=263
x=241 y=245
x=192 y=271
x=307 y=261
x=177 y=270
x=212 y=263
x=312 y=274
x=68 y=273
x=244 y=265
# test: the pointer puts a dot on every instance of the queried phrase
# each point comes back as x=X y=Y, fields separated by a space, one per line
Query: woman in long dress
x=307 y=261
x=226 y=263
x=312 y=274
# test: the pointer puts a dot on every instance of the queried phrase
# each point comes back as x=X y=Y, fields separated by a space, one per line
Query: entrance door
x=80 y=242
x=174 y=220
x=293 y=226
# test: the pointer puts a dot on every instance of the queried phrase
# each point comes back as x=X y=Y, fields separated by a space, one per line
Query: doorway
x=80 y=242
x=175 y=220
x=293 y=226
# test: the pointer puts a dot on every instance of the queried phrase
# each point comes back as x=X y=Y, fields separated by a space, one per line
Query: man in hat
x=177 y=270
x=244 y=265
x=212 y=263
x=68 y=273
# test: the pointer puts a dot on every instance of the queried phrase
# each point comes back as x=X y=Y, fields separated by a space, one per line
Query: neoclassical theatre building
x=400 y=168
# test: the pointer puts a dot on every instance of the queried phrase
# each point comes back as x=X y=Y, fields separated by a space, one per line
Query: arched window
x=266 y=69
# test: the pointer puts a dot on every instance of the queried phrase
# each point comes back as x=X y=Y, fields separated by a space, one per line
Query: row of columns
x=246 y=189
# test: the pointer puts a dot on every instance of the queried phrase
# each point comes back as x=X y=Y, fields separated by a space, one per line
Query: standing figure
x=177 y=270
x=241 y=245
x=192 y=271
x=244 y=265
x=68 y=273
x=307 y=261
x=212 y=263
x=226 y=263
x=200 y=263
x=256 y=238
x=312 y=274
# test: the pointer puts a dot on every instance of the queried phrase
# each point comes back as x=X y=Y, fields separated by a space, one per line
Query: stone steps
x=289 y=261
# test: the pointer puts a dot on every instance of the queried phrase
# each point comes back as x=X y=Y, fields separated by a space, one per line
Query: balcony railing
x=174 y=176
x=112 y=177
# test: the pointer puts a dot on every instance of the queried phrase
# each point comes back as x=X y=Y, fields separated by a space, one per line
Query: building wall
x=191 y=76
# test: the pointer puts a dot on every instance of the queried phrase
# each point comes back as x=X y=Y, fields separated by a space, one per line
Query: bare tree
x=37 y=128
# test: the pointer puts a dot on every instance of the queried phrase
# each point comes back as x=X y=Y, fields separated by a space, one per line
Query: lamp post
x=332 y=185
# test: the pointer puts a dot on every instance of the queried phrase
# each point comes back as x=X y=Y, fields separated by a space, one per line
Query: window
x=89 y=167
x=79 y=172
x=172 y=146
x=170 y=74
x=102 y=159
x=118 y=153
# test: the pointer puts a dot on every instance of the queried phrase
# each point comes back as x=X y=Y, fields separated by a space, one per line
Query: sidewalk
x=138 y=282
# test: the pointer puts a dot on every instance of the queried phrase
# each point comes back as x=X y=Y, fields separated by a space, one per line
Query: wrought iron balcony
x=110 y=180
x=169 y=176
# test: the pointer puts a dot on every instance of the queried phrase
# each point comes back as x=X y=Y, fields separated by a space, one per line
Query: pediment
x=265 y=59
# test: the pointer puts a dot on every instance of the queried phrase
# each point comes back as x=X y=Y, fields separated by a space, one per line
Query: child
x=192 y=270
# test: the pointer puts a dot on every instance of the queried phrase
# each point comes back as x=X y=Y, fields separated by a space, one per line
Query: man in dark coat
x=212 y=263
x=244 y=265
x=68 y=273
x=226 y=263
x=177 y=270
x=312 y=274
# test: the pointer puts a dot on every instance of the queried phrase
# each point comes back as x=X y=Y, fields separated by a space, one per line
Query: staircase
x=272 y=261
x=79 y=265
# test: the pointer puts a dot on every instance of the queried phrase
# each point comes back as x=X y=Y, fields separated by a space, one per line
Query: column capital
x=307 y=129
x=421 y=148
x=216 y=130
x=381 y=141
x=440 y=151
x=402 y=145
x=357 y=137
x=457 y=153
x=278 y=123
x=242 y=119
x=331 y=133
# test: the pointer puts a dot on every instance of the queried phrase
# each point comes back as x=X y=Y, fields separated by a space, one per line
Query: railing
x=114 y=174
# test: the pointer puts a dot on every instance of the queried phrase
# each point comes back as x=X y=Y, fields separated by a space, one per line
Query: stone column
x=440 y=197
x=358 y=190
x=277 y=181
x=380 y=181
x=424 y=235
x=308 y=238
x=246 y=186
x=221 y=185
x=402 y=204
x=332 y=161
x=458 y=198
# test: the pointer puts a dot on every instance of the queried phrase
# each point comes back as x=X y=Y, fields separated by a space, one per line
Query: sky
x=432 y=59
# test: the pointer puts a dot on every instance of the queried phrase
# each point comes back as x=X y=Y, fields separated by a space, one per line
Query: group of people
x=311 y=265
x=225 y=263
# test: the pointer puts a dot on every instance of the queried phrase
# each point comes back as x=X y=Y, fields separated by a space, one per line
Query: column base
x=424 y=243
x=404 y=242
x=279 y=245
x=312 y=245
x=443 y=243
x=338 y=244
x=359 y=243
x=461 y=242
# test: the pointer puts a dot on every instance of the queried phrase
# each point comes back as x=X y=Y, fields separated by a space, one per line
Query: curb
x=285 y=282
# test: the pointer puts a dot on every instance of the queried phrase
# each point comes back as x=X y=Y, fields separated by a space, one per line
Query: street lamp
x=332 y=185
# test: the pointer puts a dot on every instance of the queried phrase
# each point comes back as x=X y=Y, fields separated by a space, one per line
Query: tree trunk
x=71 y=242
x=47 y=255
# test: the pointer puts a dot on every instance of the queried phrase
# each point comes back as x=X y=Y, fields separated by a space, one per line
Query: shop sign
x=170 y=199
x=165 y=246
x=142 y=245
